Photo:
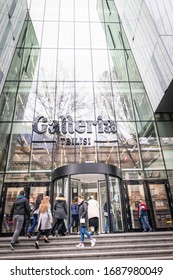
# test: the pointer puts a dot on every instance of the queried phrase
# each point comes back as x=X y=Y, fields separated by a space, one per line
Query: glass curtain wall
x=74 y=94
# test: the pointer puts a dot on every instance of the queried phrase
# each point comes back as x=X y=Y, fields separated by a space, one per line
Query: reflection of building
x=76 y=71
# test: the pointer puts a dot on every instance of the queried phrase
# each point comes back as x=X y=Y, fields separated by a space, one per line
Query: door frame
x=148 y=197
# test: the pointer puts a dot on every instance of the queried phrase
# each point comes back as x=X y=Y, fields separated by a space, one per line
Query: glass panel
x=67 y=10
x=1 y=182
x=25 y=101
x=131 y=66
x=135 y=192
x=61 y=186
x=19 y=151
x=63 y=153
x=160 y=206
x=65 y=65
x=7 y=101
x=81 y=10
x=41 y=158
x=96 y=11
x=83 y=70
x=82 y=35
x=110 y=11
x=115 y=197
x=170 y=178
x=50 y=35
x=129 y=151
x=107 y=149
x=116 y=38
x=118 y=65
x=36 y=189
x=47 y=65
x=104 y=100
x=165 y=130
x=98 y=38
x=142 y=107
x=100 y=65
x=64 y=99
x=123 y=102
x=37 y=9
x=149 y=145
x=5 y=130
x=45 y=99
x=102 y=201
x=52 y=10
x=66 y=35
x=84 y=101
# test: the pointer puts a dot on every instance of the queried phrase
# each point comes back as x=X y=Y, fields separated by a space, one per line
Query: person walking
x=107 y=219
x=142 y=214
x=60 y=213
x=83 y=218
x=29 y=219
x=35 y=215
x=74 y=215
x=18 y=212
x=45 y=221
x=93 y=215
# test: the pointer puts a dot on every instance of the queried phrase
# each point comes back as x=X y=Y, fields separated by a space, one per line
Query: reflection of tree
x=126 y=137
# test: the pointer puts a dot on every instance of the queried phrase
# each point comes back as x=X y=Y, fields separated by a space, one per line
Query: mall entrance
x=97 y=179
x=105 y=184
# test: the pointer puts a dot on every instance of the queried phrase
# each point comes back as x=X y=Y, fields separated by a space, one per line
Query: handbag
x=82 y=220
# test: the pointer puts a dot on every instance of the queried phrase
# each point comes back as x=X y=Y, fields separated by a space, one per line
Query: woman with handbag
x=83 y=218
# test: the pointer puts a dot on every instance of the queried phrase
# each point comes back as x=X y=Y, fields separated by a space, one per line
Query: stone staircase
x=150 y=245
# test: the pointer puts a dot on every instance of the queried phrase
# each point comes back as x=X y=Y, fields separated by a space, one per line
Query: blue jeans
x=107 y=224
x=74 y=218
x=83 y=231
x=145 y=223
x=32 y=227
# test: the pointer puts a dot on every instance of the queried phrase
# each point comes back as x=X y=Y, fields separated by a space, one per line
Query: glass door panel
x=159 y=200
x=61 y=186
x=12 y=193
x=102 y=199
x=135 y=192
x=116 y=206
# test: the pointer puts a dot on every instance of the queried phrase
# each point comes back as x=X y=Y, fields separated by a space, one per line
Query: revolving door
x=97 y=179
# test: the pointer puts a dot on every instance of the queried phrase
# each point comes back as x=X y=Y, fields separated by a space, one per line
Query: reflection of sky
x=63 y=33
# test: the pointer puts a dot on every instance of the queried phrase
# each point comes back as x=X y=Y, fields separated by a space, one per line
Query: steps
x=150 y=245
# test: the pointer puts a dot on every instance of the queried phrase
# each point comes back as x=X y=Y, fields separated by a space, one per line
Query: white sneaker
x=80 y=245
x=93 y=242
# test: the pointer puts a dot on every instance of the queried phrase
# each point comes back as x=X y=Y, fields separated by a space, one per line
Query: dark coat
x=83 y=212
x=20 y=206
x=60 y=208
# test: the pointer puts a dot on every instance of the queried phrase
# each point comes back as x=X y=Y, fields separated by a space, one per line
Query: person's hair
x=80 y=196
x=75 y=200
x=22 y=192
x=61 y=195
x=45 y=203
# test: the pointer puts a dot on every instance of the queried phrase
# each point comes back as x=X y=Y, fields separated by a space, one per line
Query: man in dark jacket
x=19 y=209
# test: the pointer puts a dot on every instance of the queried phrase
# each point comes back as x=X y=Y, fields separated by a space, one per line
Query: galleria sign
x=42 y=125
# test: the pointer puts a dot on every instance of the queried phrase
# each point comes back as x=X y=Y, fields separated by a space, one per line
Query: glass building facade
x=75 y=117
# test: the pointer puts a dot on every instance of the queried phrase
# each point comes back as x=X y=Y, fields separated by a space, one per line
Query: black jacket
x=83 y=212
x=60 y=208
x=20 y=206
